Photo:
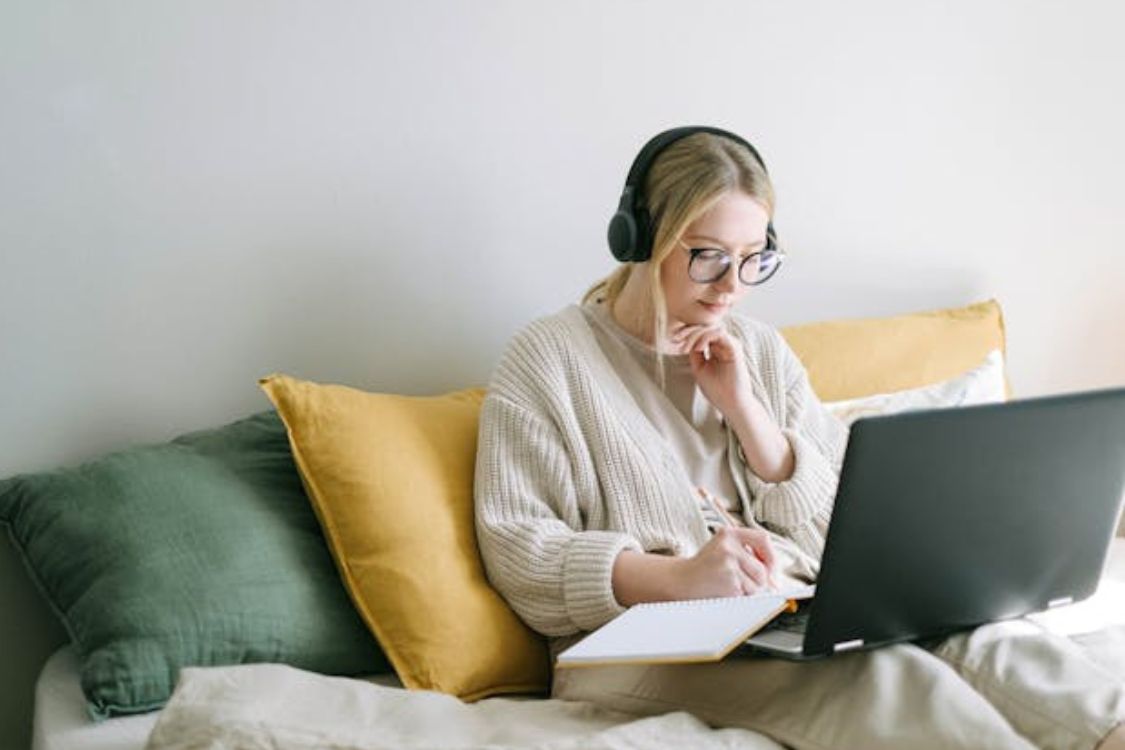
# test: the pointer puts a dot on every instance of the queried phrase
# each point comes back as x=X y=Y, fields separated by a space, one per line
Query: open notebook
x=694 y=630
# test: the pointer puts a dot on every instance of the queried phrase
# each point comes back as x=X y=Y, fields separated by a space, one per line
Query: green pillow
x=201 y=551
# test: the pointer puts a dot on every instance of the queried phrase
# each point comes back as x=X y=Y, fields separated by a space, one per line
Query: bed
x=420 y=719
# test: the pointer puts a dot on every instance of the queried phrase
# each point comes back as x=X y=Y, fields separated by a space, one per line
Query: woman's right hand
x=734 y=562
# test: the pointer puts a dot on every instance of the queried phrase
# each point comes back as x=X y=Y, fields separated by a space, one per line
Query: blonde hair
x=686 y=179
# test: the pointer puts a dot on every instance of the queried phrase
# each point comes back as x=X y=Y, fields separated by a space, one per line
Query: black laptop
x=950 y=518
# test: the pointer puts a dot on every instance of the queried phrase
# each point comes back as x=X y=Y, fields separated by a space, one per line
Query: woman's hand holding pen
x=736 y=561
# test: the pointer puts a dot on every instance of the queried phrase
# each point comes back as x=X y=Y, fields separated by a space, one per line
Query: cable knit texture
x=570 y=472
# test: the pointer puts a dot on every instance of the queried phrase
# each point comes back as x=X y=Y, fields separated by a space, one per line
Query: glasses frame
x=694 y=252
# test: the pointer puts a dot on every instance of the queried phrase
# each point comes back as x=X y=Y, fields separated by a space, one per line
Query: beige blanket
x=262 y=706
x=272 y=706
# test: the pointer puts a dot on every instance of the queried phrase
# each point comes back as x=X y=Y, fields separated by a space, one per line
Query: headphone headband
x=661 y=141
x=630 y=228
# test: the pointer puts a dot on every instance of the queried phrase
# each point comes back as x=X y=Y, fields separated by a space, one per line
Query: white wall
x=193 y=195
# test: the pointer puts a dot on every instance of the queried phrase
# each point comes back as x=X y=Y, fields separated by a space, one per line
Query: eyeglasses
x=709 y=264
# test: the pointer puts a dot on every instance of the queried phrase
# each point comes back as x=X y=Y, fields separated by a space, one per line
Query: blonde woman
x=651 y=444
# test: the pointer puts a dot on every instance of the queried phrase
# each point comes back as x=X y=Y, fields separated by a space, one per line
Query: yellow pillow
x=391 y=480
x=852 y=358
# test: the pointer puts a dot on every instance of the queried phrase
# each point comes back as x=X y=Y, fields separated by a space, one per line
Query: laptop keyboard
x=791 y=622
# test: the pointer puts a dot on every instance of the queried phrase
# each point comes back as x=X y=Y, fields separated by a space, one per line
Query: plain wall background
x=193 y=195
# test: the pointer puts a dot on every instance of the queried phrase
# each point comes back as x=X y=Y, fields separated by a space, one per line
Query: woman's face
x=736 y=224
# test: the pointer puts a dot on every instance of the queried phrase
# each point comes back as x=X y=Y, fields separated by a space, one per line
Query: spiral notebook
x=695 y=630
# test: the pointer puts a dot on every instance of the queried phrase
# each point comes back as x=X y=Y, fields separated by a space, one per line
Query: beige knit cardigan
x=570 y=472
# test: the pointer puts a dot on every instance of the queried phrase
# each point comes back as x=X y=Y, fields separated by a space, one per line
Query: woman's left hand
x=718 y=364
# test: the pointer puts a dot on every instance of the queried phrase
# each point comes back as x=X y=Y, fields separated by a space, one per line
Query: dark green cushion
x=201 y=551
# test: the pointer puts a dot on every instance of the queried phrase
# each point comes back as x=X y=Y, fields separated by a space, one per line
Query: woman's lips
x=713 y=306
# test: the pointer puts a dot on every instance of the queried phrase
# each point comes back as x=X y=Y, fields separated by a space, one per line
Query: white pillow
x=983 y=384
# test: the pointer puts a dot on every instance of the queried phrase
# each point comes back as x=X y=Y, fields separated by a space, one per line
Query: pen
x=731 y=523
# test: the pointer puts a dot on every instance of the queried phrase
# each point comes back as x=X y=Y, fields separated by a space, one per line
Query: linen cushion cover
x=391 y=478
x=851 y=358
x=984 y=384
x=201 y=551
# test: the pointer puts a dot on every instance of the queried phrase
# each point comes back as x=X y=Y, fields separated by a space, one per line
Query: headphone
x=630 y=229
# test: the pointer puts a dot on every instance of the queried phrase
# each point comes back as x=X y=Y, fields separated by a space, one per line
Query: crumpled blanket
x=277 y=707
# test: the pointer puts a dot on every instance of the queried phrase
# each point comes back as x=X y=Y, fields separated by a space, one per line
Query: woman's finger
x=723 y=347
x=680 y=330
x=753 y=569
x=689 y=337
x=701 y=342
x=759 y=542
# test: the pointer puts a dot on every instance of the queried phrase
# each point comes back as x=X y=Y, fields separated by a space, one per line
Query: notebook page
x=695 y=630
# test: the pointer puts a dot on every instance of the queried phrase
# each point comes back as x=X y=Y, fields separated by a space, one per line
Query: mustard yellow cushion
x=391 y=480
x=852 y=358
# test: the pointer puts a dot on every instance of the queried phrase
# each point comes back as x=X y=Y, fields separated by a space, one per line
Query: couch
x=289 y=542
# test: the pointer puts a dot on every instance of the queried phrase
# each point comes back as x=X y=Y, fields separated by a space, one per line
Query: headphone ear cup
x=623 y=236
x=642 y=251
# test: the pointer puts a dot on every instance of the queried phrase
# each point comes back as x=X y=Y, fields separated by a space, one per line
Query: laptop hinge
x=847 y=645
x=1062 y=600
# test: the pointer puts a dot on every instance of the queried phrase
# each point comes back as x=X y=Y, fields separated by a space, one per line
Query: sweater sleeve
x=554 y=574
x=801 y=506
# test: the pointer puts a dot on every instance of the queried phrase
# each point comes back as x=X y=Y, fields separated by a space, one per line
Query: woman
x=650 y=444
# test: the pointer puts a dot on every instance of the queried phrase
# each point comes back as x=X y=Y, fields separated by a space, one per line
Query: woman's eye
x=709 y=253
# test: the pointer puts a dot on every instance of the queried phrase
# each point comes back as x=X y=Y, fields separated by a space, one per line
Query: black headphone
x=630 y=229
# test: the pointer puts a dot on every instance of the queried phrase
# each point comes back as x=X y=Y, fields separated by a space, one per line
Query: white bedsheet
x=61 y=721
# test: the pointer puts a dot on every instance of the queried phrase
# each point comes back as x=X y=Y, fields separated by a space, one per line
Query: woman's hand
x=734 y=562
x=718 y=365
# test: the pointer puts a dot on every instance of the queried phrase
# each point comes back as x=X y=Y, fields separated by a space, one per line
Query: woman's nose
x=728 y=282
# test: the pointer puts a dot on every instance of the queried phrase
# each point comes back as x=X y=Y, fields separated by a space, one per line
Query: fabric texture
x=570 y=472
x=1006 y=686
x=270 y=706
x=674 y=404
x=201 y=551
x=984 y=384
x=851 y=358
x=261 y=706
x=62 y=721
x=993 y=687
x=697 y=436
x=391 y=480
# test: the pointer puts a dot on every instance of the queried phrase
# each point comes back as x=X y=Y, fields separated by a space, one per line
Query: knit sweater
x=570 y=472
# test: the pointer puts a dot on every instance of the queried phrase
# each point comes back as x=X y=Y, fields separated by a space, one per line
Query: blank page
x=681 y=631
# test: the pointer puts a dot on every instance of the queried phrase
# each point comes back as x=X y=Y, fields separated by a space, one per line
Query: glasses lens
x=759 y=267
x=707 y=265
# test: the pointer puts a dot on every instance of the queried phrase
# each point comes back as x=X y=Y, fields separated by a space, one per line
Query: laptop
x=950 y=518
